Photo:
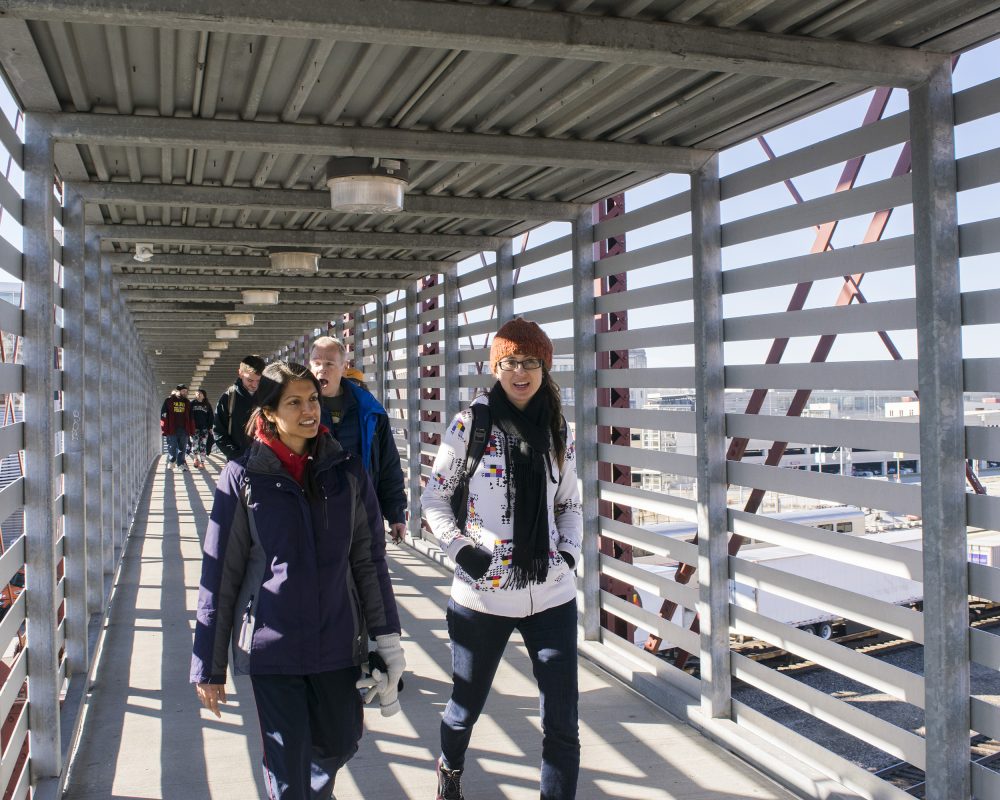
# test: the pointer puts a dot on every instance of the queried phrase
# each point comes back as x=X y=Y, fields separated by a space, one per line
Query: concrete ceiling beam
x=502 y=29
x=255 y=263
x=336 y=140
x=280 y=237
x=270 y=199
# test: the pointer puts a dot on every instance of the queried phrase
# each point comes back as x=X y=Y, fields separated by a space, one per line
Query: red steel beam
x=823 y=242
x=613 y=398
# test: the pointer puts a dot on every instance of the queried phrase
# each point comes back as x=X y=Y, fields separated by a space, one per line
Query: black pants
x=477 y=644
x=311 y=726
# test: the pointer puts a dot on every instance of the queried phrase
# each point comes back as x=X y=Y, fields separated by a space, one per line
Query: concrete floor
x=144 y=735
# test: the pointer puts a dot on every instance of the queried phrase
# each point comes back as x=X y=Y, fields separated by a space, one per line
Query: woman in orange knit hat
x=516 y=554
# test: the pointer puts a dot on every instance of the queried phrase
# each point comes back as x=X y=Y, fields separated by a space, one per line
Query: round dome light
x=367 y=185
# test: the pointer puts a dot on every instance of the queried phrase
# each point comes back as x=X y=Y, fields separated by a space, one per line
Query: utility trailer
x=869 y=582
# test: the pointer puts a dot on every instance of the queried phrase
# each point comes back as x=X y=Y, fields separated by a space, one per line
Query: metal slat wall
x=808 y=369
x=394 y=392
x=71 y=353
x=885 y=360
x=12 y=563
x=430 y=345
x=978 y=178
x=662 y=451
x=455 y=315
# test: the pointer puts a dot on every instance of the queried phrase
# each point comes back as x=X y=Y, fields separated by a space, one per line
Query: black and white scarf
x=528 y=438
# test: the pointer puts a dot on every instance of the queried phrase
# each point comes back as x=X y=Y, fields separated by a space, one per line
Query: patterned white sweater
x=490 y=523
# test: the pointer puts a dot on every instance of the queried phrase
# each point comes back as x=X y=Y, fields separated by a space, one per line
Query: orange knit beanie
x=521 y=336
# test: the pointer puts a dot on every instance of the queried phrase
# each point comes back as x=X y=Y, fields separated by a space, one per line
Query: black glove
x=568 y=559
x=474 y=560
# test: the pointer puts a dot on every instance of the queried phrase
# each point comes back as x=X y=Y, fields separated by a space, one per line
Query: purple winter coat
x=295 y=588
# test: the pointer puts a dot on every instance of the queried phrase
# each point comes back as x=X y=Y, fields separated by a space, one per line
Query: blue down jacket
x=373 y=439
x=295 y=588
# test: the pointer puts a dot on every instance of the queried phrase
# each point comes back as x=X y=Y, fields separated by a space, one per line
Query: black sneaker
x=449 y=783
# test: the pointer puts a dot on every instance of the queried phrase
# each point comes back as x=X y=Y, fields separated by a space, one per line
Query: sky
x=973 y=68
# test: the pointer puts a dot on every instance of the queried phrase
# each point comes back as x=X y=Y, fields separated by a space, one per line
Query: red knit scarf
x=293 y=463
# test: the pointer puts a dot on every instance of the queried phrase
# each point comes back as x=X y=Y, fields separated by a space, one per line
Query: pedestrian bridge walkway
x=144 y=736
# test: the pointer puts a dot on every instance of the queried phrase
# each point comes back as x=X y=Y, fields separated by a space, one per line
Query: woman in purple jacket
x=294 y=579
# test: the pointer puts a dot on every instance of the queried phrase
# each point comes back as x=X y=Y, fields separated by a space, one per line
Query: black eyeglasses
x=510 y=364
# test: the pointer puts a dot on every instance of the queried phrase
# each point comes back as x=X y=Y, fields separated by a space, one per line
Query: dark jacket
x=295 y=588
x=364 y=430
x=232 y=438
x=201 y=411
x=175 y=415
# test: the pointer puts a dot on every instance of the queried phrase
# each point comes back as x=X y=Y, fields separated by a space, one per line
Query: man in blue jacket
x=360 y=423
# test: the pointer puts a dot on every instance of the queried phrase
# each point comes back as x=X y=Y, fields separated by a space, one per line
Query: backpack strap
x=232 y=404
x=481 y=424
x=479 y=435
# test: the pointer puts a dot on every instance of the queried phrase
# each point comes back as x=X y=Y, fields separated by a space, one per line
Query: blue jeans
x=177 y=443
x=311 y=726
x=477 y=644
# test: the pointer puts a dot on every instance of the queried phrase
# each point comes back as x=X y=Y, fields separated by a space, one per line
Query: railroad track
x=870 y=642
x=911 y=779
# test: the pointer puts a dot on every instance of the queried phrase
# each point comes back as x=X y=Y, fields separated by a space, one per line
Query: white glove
x=372 y=686
x=388 y=647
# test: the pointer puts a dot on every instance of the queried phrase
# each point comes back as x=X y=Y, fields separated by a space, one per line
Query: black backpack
x=479 y=436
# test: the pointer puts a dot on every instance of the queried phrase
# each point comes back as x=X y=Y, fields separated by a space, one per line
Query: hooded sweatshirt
x=175 y=415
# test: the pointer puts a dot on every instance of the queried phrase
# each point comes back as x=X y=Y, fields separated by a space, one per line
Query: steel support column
x=132 y=431
x=39 y=438
x=505 y=282
x=413 y=418
x=74 y=472
x=942 y=420
x=380 y=354
x=710 y=431
x=585 y=417
x=432 y=371
x=360 y=328
x=106 y=400
x=452 y=405
x=350 y=331
x=118 y=441
x=93 y=444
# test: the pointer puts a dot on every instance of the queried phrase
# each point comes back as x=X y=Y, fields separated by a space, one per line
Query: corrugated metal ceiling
x=65 y=57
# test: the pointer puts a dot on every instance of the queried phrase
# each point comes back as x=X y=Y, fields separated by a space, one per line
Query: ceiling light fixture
x=260 y=297
x=227 y=333
x=209 y=355
x=218 y=345
x=294 y=262
x=143 y=252
x=239 y=319
x=367 y=185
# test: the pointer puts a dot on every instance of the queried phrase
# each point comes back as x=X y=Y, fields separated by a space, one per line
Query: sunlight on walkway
x=145 y=737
